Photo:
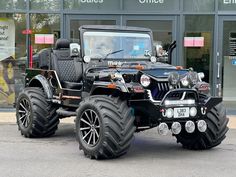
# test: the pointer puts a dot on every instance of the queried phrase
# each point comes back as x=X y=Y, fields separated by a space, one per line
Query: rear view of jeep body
x=114 y=85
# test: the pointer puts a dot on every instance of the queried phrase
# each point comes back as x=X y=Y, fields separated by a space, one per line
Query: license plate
x=181 y=112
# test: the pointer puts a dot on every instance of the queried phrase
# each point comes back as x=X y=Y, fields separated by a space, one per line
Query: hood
x=160 y=70
x=163 y=72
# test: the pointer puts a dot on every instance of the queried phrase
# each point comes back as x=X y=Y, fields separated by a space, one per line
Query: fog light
x=185 y=82
x=189 y=126
x=193 y=111
x=176 y=128
x=163 y=129
x=169 y=113
x=202 y=126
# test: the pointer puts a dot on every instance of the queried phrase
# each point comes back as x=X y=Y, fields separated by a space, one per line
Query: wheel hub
x=90 y=127
x=24 y=112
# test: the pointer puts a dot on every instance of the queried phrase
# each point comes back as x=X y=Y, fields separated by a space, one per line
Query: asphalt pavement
x=150 y=155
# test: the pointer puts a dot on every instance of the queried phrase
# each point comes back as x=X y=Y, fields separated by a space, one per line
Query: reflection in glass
x=45 y=5
x=162 y=34
x=75 y=24
x=199 y=5
x=44 y=24
x=200 y=58
x=229 y=63
x=12 y=4
x=12 y=49
x=116 y=45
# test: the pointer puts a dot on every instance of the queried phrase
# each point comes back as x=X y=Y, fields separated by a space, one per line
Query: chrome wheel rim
x=90 y=127
x=24 y=112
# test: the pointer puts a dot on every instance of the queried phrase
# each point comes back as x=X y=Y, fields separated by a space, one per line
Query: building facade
x=205 y=31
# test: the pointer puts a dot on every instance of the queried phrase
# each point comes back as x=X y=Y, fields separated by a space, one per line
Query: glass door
x=163 y=28
x=198 y=44
x=227 y=61
x=73 y=22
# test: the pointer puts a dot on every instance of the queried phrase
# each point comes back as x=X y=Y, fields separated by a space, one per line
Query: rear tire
x=216 y=129
x=35 y=116
x=110 y=123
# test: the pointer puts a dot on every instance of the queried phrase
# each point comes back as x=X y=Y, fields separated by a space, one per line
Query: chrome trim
x=151 y=98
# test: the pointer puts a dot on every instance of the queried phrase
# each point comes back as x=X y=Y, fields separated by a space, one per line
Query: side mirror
x=161 y=54
x=74 y=50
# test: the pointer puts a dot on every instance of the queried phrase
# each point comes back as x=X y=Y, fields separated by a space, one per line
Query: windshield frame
x=149 y=33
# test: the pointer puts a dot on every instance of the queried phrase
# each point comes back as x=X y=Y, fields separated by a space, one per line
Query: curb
x=9 y=117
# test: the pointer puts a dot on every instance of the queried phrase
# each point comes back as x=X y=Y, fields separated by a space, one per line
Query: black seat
x=44 y=57
x=68 y=69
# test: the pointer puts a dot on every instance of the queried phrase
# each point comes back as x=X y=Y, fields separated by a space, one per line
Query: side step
x=64 y=113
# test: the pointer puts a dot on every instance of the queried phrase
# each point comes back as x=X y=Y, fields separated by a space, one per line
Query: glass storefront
x=75 y=24
x=199 y=57
x=162 y=33
x=52 y=5
x=199 y=5
x=13 y=5
x=12 y=48
x=44 y=24
x=229 y=62
x=192 y=23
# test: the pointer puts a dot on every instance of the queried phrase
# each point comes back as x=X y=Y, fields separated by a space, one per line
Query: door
x=163 y=28
x=226 y=65
x=73 y=22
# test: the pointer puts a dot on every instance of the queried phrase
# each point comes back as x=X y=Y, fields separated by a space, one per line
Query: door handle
x=218 y=70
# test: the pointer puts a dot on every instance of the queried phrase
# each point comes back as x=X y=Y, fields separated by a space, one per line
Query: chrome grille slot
x=159 y=90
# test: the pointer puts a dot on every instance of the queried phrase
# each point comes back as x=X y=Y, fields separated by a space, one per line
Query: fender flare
x=39 y=79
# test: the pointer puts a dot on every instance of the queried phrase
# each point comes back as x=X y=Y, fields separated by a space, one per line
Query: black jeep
x=114 y=85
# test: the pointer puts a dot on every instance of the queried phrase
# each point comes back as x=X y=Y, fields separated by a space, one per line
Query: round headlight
x=193 y=111
x=184 y=81
x=145 y=80
x=169 y=113
x=173 y=78
x=193 y=78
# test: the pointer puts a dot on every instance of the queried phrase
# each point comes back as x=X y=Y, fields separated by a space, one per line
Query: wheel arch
x=41 y=82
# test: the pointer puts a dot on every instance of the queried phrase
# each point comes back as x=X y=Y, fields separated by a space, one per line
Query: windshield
x=117 y=45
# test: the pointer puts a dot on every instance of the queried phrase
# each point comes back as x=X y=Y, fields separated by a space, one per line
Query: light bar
x=179 y=102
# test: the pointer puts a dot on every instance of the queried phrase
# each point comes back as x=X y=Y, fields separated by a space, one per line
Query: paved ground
x=150 y=155
x=9 y=117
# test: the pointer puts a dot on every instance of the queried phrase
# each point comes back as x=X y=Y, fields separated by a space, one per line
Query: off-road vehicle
x=114 y=85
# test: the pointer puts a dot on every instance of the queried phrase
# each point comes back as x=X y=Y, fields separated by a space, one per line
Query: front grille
x=159 y=90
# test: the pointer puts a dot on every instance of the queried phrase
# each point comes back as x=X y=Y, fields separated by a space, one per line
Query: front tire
x=35 y=116
x=104 y=127
x=216 y=129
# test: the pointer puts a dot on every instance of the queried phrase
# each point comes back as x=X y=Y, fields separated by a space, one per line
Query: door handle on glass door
x=218 y=70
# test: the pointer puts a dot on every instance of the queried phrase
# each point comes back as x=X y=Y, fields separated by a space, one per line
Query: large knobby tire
x=35 y=116
x=216 y=129
x=110 y=123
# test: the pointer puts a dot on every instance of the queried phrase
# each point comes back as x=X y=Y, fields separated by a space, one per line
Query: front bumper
x=156 y=110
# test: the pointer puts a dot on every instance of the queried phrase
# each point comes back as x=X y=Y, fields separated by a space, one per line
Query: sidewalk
x=9 y=117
